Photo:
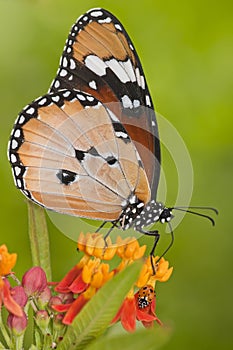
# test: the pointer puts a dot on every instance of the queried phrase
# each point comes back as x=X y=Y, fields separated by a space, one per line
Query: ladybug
x=145 y=296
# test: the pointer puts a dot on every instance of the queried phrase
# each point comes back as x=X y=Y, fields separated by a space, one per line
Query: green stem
x=4 y=332
x=39 y=238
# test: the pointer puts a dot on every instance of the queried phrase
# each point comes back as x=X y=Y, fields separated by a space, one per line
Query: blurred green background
x=186 y=52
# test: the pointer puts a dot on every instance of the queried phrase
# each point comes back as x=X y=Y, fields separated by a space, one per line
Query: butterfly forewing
x=99 y=58
x=71 y=154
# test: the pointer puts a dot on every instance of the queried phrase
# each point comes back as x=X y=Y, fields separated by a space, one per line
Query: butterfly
x=90 y=146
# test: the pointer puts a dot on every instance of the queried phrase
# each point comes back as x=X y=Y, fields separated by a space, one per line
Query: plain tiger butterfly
x=90 y=147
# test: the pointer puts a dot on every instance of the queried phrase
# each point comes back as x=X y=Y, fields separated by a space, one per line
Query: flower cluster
x=32 y=291
x=55 y=305
x=91 y=273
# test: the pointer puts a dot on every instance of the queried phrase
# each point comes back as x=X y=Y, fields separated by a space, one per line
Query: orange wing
x=99 y=58
x=69 y=153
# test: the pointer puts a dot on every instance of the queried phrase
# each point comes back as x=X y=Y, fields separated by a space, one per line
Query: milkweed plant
x=94 y=306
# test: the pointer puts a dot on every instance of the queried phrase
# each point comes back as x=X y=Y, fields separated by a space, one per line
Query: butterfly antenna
x=186 y=209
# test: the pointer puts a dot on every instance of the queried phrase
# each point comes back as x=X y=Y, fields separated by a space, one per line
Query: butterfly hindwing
x=100 y=59
x=71 y=154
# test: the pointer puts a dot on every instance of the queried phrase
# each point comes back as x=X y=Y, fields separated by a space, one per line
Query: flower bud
x=17 y=324
x=42 y=320
x=19 y=295
x=44 y=298
x=55 y=300
x=57 y=323
x=34 y=281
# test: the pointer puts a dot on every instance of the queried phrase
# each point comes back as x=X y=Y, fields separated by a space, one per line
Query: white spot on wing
x=127 y=103
x=96 y=13
x=93 y=85
x=106 y=20
x=63 y=73
x=31 y=110
x=143 y=85
x=148 y=102
x=17 y=133
x=42 y=102
x=13 y=158
x=96 y=65
x=118 y=70
x=64 y=62
x=72 y=64
x=56 y=84
x=138 y=76
x=136 y=103
x=19 y=184
x=90 y=98
x=117 y=26
x=21 y=119
x=14 y=144
x=129 y=69
x=56 y=98
x=66 y=94
x=81 y=97
x=17 y=170
x=121 y=134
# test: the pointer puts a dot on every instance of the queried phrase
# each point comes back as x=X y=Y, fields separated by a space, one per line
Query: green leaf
x=97 y=314
x=146 y=339
x=33 y=347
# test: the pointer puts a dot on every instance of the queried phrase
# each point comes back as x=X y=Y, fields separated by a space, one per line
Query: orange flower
x=7 y=262
x=129 y=249
x=96 y=273
x=93 y=244
x=163 y=272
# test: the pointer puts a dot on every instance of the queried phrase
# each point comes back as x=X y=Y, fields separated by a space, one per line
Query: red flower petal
x=61 y=307
x=128 y=315
x=9 y=302
x=144 y=316
x=63 y=286
x=74 y=309
x=78 y=286
x=118 y=315
x=150 y=324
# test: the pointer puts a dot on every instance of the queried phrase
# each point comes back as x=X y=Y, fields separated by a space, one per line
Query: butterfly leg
x=156 y=236
x=101 y=226
x=114 y=224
